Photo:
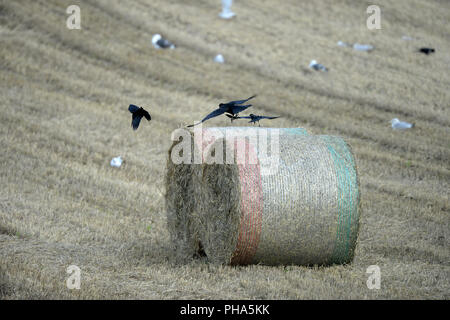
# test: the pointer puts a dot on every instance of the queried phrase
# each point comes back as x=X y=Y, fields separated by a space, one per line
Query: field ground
x=63 y=116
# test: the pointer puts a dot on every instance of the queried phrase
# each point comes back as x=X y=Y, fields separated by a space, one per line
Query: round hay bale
x=305 y=210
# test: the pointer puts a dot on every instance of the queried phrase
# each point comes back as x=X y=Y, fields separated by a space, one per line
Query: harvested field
x=63 y=117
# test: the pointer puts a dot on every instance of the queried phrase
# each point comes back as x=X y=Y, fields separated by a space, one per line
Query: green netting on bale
x=348 y=199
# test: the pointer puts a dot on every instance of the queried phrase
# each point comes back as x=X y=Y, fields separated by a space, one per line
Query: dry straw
x=305 y=212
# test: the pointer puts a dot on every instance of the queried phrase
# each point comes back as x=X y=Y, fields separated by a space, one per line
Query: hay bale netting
x=305 y=212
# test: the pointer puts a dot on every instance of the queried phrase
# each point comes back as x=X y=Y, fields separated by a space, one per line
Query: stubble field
x=63 y=117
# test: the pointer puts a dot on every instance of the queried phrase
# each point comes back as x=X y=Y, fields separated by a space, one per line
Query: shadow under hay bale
x=276 y=196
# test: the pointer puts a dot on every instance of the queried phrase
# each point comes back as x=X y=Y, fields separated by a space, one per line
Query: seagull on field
x=401 y=125
x=317 y=66
x=161 y=43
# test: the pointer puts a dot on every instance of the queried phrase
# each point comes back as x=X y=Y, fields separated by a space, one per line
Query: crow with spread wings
x=230 y=108
x=137 y=114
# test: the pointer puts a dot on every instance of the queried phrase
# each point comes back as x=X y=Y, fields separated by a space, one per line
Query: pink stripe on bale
x=251 y=204
x=251 y=192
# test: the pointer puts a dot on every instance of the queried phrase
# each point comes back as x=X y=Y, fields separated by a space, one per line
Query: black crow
x=253 y=118
x=235 y=103
x=230 y=110
x=427 y=51
x=137 y=114
x=232 y=117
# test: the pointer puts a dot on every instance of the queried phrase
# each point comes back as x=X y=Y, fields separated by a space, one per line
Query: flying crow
x=230 y=111
x=235 y=103
x=137 y=114
x=253 y=118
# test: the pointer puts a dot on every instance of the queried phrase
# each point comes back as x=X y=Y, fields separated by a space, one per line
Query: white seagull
x=226 y=10
x=362 y=47
x=219 y=59
x=116 y=162
x=401 y=125
x=159 y=42
x=317 y=66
